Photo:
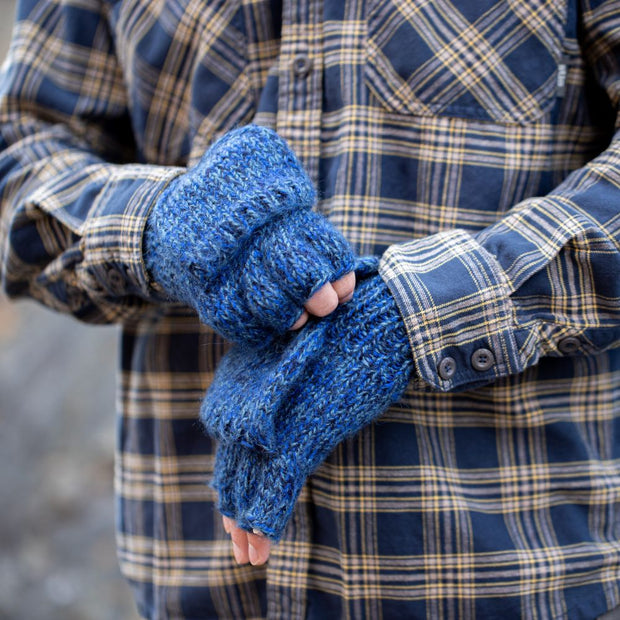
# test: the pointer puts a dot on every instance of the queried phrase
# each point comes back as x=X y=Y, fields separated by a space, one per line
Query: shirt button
x=302 y=65
x=569 y=345
x=447 y=368
x=482 y=360
x=116 y=281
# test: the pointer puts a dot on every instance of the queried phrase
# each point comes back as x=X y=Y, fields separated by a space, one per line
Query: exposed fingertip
x=259 y=548
x=258 y=557
x=345 y=286
x=300 y=322
x=323 y=302
x=240 y=556
x=253 y=554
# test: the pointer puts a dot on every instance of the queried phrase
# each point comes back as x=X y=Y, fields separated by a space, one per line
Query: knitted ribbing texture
x=252 y=383
x=326 y=383
x=236 y=238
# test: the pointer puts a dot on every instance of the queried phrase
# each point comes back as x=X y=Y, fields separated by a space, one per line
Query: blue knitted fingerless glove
x=279 y=410
x=236 y=238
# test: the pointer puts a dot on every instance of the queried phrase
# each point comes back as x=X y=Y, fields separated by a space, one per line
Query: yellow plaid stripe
x=440 y=126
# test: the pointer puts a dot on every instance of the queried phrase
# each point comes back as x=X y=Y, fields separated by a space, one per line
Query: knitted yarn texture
x=280 y=409
x=236 y=238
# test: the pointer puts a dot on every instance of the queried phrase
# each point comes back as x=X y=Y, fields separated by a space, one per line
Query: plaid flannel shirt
x=472 y=143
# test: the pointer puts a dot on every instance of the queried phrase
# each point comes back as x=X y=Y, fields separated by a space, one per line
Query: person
x=470 y=146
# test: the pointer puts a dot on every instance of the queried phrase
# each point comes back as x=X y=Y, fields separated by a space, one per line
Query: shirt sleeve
x=542 y=281
x=73 y=206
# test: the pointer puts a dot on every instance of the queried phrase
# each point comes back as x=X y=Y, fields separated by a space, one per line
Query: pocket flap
x=494 y=60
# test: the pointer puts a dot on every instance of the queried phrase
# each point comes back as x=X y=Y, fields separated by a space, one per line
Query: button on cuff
x=447 y=368
x=482 y=360
x=116 y=282
x=569 y=345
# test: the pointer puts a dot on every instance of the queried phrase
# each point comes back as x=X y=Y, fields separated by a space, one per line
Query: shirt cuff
x=455 y=301
x=112 y=246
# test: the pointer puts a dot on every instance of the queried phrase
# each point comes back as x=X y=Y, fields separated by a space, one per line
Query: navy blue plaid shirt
x=474 y=145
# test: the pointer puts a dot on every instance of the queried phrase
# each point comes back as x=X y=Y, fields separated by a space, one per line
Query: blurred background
x=57 y=554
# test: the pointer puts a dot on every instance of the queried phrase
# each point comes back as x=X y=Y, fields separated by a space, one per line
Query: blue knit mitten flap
x=324 y=384
x=236 y=238
x=253 y=383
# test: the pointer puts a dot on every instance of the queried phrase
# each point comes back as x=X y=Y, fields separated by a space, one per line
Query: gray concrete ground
x=57 y=557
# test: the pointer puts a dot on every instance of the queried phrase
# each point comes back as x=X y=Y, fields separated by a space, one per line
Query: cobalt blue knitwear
x=235 y=237
x=280 y=409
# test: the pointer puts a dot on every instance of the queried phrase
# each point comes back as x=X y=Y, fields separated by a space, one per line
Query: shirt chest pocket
x=494 y=60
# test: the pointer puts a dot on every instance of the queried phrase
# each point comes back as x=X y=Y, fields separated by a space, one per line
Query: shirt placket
x=300 y=80
x=298 y=120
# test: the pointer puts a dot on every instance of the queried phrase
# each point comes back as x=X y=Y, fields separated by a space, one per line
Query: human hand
x=251 y=547
x=287 y=405
x=235 y=238
x=327 y=299
x=278 y=278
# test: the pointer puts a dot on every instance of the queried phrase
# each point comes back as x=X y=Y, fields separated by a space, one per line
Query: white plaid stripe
x=496 y=500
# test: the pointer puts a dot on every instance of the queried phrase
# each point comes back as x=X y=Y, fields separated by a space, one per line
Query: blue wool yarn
x=236 y=238
x=252 y=383
x=279 y=411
